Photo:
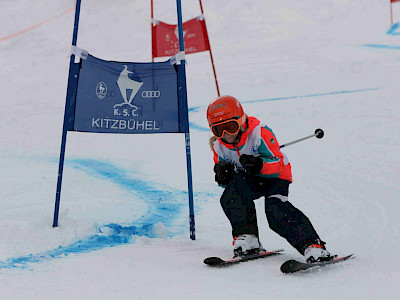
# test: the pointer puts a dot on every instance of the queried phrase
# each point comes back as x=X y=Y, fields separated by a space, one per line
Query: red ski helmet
x=225 y=108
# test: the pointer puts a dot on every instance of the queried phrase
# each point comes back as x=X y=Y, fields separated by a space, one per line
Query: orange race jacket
x=257 y=140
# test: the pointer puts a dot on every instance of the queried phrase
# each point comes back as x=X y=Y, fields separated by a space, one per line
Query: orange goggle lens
x=229 y=126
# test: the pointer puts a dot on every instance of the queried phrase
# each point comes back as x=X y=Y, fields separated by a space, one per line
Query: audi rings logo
x=151 y=94
x=101 y=90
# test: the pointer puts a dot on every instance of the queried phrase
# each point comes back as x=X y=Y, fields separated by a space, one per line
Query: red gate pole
x=391 y=13
x=209 y=46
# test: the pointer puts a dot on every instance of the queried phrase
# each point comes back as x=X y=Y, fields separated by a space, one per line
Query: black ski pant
x=283 y=218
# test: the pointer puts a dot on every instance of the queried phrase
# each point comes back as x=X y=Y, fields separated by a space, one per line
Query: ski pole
x=319 y=133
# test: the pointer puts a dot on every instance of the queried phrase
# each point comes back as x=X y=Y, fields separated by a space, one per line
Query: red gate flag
x=395 y=1
x=165 y=40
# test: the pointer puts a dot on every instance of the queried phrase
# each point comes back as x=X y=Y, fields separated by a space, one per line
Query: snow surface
x=123 y=234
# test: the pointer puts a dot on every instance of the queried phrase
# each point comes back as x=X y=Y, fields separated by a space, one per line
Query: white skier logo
x=125 y=84
x=101 y=90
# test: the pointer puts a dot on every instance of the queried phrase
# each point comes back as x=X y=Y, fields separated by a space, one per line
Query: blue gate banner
x=126 y=97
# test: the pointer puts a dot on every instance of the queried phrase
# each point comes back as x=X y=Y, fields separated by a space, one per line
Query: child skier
x=249 y=165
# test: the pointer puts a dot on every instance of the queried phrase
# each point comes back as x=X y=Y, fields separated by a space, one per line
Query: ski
x=292 y=266
x=218 y=262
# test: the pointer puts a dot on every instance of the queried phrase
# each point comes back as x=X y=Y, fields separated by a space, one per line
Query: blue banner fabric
x=126 y=97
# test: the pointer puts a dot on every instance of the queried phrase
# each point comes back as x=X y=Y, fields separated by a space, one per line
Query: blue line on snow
x=166 y=207
x=201 y=128
x=380 y=46
x=312 y=95
x=194 y=126
x=194 y=109
x=94 y=242
x=393 y=29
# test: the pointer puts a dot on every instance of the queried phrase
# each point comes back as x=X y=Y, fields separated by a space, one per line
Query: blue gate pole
x=185 y=123
x=65 y=130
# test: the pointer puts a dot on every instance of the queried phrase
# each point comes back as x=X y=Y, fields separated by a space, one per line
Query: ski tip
x=293 y=266
x=287 y=266
x=345 y=257
x=213 y=261
x=218 y=262
x=278 y=250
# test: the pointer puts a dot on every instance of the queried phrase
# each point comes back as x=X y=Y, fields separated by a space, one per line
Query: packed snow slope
x=123 y=234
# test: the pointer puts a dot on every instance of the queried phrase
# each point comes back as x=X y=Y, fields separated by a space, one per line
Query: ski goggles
x=230 y=126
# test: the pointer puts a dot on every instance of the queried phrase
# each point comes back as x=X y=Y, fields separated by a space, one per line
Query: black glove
x=224 y=172
x=251 y=164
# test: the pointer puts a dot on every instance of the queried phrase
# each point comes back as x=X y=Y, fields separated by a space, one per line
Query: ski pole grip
x=319 y=133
